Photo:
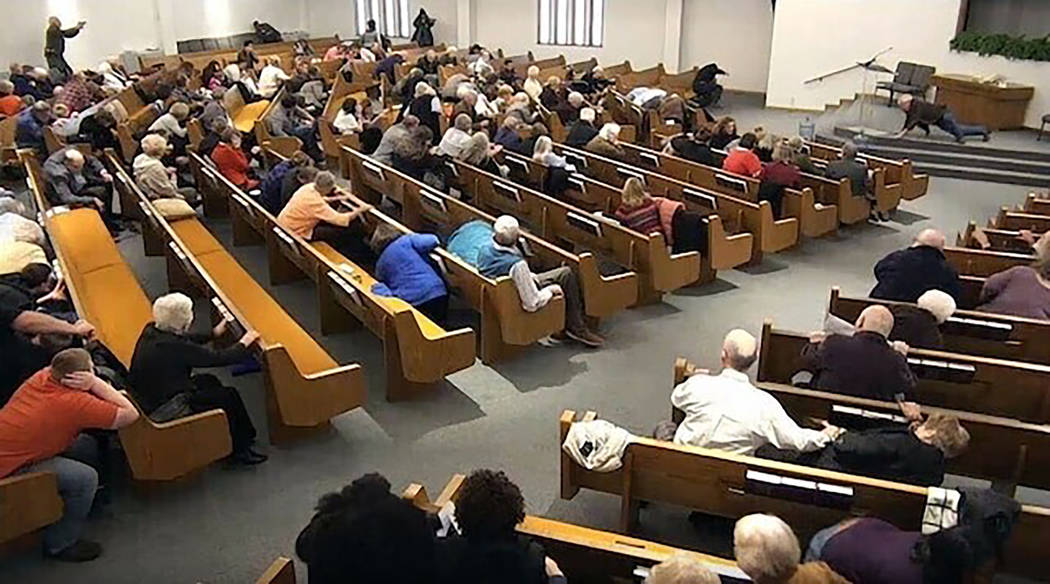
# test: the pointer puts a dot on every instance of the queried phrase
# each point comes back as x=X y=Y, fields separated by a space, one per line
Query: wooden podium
x=988 y=104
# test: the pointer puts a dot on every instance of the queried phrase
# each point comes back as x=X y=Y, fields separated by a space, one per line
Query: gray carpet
x=225 y=526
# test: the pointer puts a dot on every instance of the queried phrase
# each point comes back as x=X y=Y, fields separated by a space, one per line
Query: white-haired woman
x=156 y=180
x=918 y=324
x=543 y=153
x=681 y=568
x=533 y=87
x=607 y=143
x=479 y=152
x=161 y=374
x=426 y=106
x=768 y=552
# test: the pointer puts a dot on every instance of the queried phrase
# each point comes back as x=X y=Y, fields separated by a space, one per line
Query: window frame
x=366 y=9
x=570 y=22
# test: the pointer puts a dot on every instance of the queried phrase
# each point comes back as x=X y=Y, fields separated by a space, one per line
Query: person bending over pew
x=232 y=162
x=607 y=143
x=695 y=146
x=726 y=412
x=309 y=214
x=161 y=373
x=1019 y=291
x=582 y=131
x=800 y=156
x=40 y=431
x=681 y=568
x=291 y=119
x=17 y=328
x=456 y=138
x=394 y=135
x=480 y=153
x=865 y=364
x=365 y=533
x=272 y=186
x=501 y=256
x=767 y=550
x=74 y=180
x=859 y=181
x=507 y=135
x=426 y=106
x=405 y=271
x=919 y=325
x=906 y=274
x=29 y=128
x=489 y=506
x=173 y=126
x=271 y=77
x=742 y=159
x=155 y=180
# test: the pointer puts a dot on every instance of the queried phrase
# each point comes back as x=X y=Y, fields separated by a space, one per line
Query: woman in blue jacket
x=405 y=271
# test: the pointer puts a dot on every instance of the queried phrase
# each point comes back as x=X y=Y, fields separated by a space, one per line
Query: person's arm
x=783 y=433
x=994 y=285
x=102 y=417
x=423 y=243
x=906 y=377
x=203 y=356
x=532 y=297
x=72 y=32
x=38 y=323
x=858 y=449
x=812 y=354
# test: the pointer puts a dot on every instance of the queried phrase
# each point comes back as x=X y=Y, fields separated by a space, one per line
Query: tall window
x=391 y=16
x=572 y=22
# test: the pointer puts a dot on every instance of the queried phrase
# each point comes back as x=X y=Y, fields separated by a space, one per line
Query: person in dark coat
x=424 y=33
x=161 y=373
x=266 y=33
x=695 y=147
x=905 y=274
x=706 y=88
x=863 y=365
x=582 y=131
x=55 y=45
x=919 y=325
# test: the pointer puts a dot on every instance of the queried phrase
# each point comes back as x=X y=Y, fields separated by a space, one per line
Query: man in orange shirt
x=40 y=432
x=742 y=160
x=10 y=104
x=309 y=215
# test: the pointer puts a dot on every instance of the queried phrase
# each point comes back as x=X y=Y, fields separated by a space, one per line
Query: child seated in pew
x=404 y=270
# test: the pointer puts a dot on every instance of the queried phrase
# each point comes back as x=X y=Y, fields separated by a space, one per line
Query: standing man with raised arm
x=55 y=45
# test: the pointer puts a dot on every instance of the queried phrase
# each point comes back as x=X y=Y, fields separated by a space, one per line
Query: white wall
x=736 y=34
x=811 y=37
x=211 y=18
x=329 y=17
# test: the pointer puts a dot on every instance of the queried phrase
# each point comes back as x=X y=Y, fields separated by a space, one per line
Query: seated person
x=569 y=110
x=607 y=143
x=19 y=329
x=553 y=96
x=726 y=412
x=293 y=181
x=782 y=171
x=395 y=134
x=412 y=155
x=521 y=107
x=173 y=126
x=501 y=256
x=367 y=531
x=232 y=162
x=800 y=156
x=457 y=138
x=29 y=128
x=767 y=550
x=507 y=73
x=271 y=77
x=310 y=215
x=312 y=91
x=582 y=131
x=1019 y=291
x=40 y=432
x=638 y=210
x=919 y=325
x=479 y=153
x=74 y=180
x=695 y=147
x=724 y=132
x=865 y=364
x=290 y=119
x=489 y=549
x=10 y=104
x=348 y=118
x=536 y=131
x=905 y=274
x=507 y=135
x=681 y=568
x=742 y=159
x=155 y=180
x=404 y=270
x=273 y=182
x=860 y=184
x=99 y=130
x=532 y=86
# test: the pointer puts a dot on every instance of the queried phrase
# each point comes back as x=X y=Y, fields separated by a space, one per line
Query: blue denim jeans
x=960 y=131
x=817 y=543
x=77 y=483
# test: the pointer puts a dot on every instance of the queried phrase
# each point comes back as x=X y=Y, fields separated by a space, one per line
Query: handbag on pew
x=174 y=209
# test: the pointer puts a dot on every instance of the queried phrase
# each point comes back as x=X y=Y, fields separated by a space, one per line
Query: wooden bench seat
x=129 y=131
x=1007 y=219
x=305 y=386
x=280 y=571
x=505 y=325
x=976 y=265
x=808 y=499
x=286 y=145
x=28 y=502
x=1035 y=204
x=244 y=115
x=1008 y=240
x=901 y=181
x=1010 y=389
x=971 y=332
x=417 y=352
x=585 y=555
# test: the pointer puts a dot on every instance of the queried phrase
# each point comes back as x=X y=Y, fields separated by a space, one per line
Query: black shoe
x=884 y=216
x=247 y=457
x=987 y=136
x=81 y=551
x=960 y=139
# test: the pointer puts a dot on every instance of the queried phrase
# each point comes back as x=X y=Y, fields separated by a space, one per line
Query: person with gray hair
x=865 y=364
x=156 y=180
x=767 y=550
x=310 y=214
x=905 y=274
x=727 y=412
x=456 y=138
x=10 y=104
x=918 y=324
x=582 y=131
x=29 y=128
x=606 y=143
x=392 y=136
x=161 y=376
x=501 y=256
x=681 y=568
x=847 y=166
x=72 y=179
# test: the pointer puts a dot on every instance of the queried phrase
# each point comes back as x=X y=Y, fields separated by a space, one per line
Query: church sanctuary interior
x=525 y=292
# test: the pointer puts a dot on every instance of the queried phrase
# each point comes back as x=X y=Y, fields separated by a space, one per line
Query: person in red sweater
x=742 y=159
x=782 y=171
x=232 y=162
x=10 y=104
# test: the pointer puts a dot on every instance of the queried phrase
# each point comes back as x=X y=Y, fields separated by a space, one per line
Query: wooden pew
x=996 y=387
x=28 y=502
x=200 y=59
x=129 y=132
x=244 y=115
x=281 y=571
x=586 y=556
x=901 y=180
x=808 y=499
x=1002 y=450
x=971 y=332
x=583 y=67
x=286 y=145
x=505 y=325
x=771 y=235
x=725 y=250
x=417 y=352
x=1036 y=204
x=1008 y=219
x=305 y=386
x=1007 y=240
x=815 y=219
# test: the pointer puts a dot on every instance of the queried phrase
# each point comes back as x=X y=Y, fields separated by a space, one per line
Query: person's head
x=521 y=99
x=229 y=136
x=6 y=87
x=154 y=145
x=725 y=126
x=539 y=129
x=782 y=151
x=180 y=110
x=575 y=99
x=633 y=194
x=273 y=61
x=299 y=159
x=588 y=115
x=54 y=21
x=511 y=123
x=505 y=92
x=60 y=110
x=904 y=101
x=424 y=89
x=467 y=95
x=73 y=159
x=410 y=122
x=463 y=123
x=349 y=106
x=940 y=304
x=681 y=568
x=173 y=313
x=232 y=72
x=544 y=146
x=489 y=506
x=796 y=143
x=38 y=74
x=739 y=350
x=219 y=126
x=249 y=44
x=748 y=141
x=37 y=278
x=945 y=433
x=371 y=25
x=477 y=150
x=534 y=72
x=306 y=174
x=104 y=118
x=506 y=230
x=875 y=319
x=69 y=361
x=384 y=235
x=1042 y=266
x=610 y=132
x=849 y=150
x=702 y=135
x=324 y=182
x=766 y=549
x=41 y=111
x=289 y=101
x=554 y=82
x=930 y=238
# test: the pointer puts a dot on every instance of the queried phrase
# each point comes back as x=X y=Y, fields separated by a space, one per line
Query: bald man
x=906 y=274
x=865 y=364
x=726 y=412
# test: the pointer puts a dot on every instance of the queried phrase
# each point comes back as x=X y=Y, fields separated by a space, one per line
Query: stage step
x=999 y=177
x=972 y=147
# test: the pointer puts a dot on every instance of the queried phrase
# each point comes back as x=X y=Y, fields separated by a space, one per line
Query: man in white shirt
x=726 y=412
x=271 y=77
x=456 y=138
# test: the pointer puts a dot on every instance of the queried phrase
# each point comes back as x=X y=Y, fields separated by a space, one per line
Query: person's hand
x=255 y=150
x=901 y=347
x=81 y=24
x=249 y=338
x=911 y=410
x=220 y=329
x=83 y=328
x=106 y=177
x=82 y=380
x=1026 y=236
x=552 y=568
x=817 y=336
x=900 y=134
x=98 y=203
x=832 y=432
x=556 y=290
x=57 y=293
